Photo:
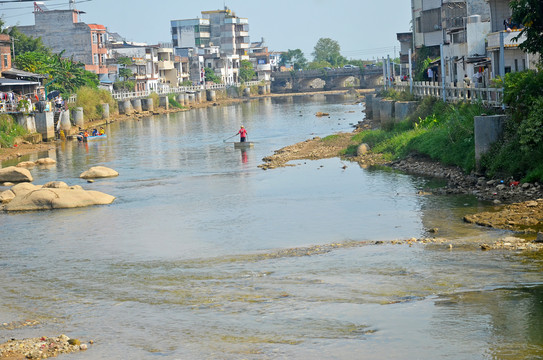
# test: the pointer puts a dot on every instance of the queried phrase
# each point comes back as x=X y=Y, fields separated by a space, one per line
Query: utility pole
x=13 y=48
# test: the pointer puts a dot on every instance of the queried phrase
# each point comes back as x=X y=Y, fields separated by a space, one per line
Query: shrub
x=9 y=130
x=91 y=101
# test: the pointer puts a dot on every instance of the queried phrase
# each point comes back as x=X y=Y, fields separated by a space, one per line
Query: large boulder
x=96 y=172
x=15 y=175
x=24 y=188
x=54 y=196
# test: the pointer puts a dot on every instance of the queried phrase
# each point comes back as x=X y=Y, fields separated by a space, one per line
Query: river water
x=205 y=256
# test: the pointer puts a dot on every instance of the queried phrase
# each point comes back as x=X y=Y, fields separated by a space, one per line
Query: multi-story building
x=219 y=41
x=5 y=52
x=144 y=64
x=406 y=44
x=503 y=31
x=228 y=31
x=220 y=28
x=260 y=58
x=470 y=32
x=189 y=34
x=427 y=26
x=61 y=31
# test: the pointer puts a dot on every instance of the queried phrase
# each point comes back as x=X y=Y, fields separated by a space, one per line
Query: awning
x=21 y=73
x=15 y=82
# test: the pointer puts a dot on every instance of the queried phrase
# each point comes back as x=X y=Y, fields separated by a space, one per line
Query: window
x=94 y=38
x=516 y=65
x=102 y=59
x=95 y=60
x=6 y=65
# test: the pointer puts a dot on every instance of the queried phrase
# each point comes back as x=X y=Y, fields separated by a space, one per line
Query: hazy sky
x=364 y=29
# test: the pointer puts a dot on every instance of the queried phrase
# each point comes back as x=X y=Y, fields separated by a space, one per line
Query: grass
x=91 y=101
x=9 y=131
x=440 y=131
x=173 y=102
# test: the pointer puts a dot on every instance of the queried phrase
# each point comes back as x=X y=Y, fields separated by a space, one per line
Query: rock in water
x=15 y=175
x=98 y=172
x=29 y=198
x=45 y=161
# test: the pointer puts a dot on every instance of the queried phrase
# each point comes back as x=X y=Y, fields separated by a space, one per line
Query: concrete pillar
x=45 y=125
x=27 y=121
x=65 y=123
x=136 y=105
x=147 y=104
x=203 y=95
x=77 y=116
x=191 y=98
x=268 y=89
x=386 y=112
x=487 y=130
x=376 y=108
x=211 y=95
x=198 y=97
x=125 y=107
x=180 y=98
x=402 y=109
x=369 y=107
x=105 y=111
x=164 y=102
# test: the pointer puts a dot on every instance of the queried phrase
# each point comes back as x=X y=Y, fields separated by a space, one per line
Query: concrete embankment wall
x=488 y=130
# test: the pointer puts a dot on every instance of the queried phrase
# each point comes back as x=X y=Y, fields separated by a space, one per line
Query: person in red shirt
x=242 y=134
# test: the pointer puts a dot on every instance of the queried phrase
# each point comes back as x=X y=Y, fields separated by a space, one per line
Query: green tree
x=328 y=50
x=211 y=76
x=314 y=65
x=23 y=44
x=67 y=75
x=246 y=71
x=529 y=13
x=125 y=73
x=295 y=57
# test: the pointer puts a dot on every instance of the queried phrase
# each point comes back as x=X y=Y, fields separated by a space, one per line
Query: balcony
x=165 y=65
x=263 y=67
x=508 y=42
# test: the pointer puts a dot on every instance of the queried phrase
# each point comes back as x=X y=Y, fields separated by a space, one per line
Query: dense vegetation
x=438 y=130
x=445 y=132
x=9 y=130
x=91 y=100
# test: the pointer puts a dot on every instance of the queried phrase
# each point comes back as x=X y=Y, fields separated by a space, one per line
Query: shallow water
x=205 y=256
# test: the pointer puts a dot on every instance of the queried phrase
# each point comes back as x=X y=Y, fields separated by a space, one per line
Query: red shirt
x=242 y=132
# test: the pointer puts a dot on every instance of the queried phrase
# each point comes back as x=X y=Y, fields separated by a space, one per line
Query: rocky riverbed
x=40 y=348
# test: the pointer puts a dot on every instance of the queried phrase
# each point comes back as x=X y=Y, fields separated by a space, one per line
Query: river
x=205 y=256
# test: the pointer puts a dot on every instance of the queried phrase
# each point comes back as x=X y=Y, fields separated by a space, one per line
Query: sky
x=364 y=29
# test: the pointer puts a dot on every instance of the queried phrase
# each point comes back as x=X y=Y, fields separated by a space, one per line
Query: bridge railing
x=123 y=95
x=486 y=96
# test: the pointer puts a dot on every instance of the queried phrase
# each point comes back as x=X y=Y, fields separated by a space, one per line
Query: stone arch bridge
x=322 y=79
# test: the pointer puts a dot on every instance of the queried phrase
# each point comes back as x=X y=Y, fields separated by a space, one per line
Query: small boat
x=91 y=138
x=243 y=145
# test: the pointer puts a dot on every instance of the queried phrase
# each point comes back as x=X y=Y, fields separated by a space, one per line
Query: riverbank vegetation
x=441 y=131
x=445 y=132
x=91 y=100
x=9 y=130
